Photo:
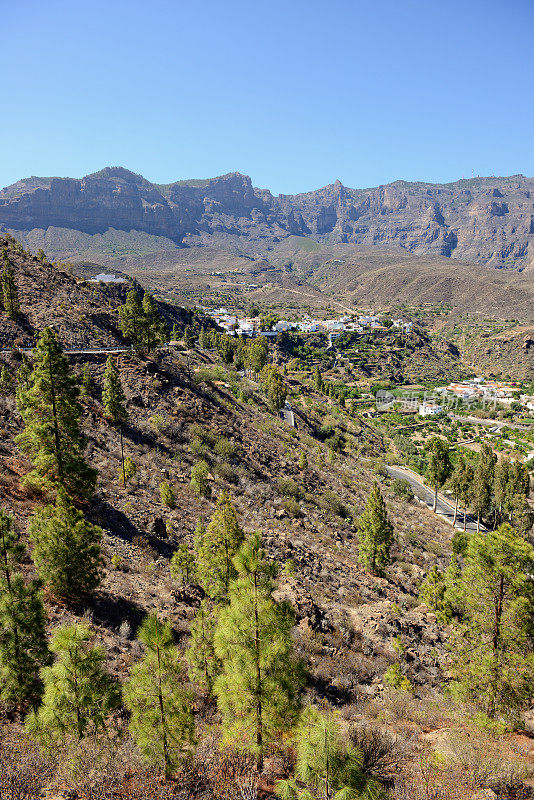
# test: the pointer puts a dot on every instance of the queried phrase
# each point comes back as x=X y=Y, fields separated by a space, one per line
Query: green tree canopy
x=204 y=666
x=274 y=385
x=183 y=566
x=66 y=549
x=51 y=413
x=460 y=483
x=79 y=695
x=255 y=356
x=492 y=648
x=141 y=322
x=438 y=464
x=259 y=687
x=113 y=398
x=154 y=328
x=327 y=766
x=375 y=533
x=10 y=292
x=161 y=721
x=132 y=319
x=23 y=646
x=216 y=548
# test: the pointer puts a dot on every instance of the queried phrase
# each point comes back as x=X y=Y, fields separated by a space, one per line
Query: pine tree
x=438 y=465
x=183 y=567
x=220 y=543
x=78 y=694
x=162 y=721
x=167 y=495
x=198 y=539
x=327 y=766
x=128 y=470
x=204 y=666
x=23 y=647
x=189 y=339
x=480 y=493
x=9 y=288
x=66 y=549
x=87 y=384
x=433 y=594
x=132 y=319
x=259 y=687
x=51 y=414
x=375 y=533
x=5 y=379
x=458 y=483
x=492 y=649
x=203 y=339
x=154 y=326
x=453 y=599
x=113 y=398
x=23 y=379
x=199 y=479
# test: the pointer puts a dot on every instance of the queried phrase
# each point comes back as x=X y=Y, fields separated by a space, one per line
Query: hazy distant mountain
x=483 y=220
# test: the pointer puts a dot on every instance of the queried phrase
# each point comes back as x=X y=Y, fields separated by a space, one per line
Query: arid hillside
x=302 y=488
x=83 y=314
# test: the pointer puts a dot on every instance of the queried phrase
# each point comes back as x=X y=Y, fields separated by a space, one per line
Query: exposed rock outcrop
x=483 y=220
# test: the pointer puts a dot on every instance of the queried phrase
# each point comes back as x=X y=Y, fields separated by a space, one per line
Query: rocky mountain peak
x=481 y=220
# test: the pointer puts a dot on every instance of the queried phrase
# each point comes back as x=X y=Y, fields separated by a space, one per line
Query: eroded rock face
x=484 y=220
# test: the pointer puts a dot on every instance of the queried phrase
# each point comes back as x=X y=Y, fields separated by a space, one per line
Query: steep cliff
x=484 y=220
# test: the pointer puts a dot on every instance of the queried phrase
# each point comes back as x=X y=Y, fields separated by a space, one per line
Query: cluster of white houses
x=476 y=390
x=251 y=326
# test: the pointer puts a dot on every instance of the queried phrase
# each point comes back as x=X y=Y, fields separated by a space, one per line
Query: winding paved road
x=286 y=413
x=445 y=509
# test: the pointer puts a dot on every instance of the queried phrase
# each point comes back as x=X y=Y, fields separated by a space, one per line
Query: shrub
x=198 y=448
x=206 y=436
x=292 y=507
x=381 y=752
x=289 y=488
x=158 y=422
x=402 y=489
x=116 y=561
x=227 y=473
x=303 y=462
x=329 y=501
x=225 y=448
x=394 y=678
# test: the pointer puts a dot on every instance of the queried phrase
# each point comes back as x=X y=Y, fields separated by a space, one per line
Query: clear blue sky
x=294 y=93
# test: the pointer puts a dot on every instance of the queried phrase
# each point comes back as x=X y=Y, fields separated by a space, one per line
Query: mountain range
x=488 y=221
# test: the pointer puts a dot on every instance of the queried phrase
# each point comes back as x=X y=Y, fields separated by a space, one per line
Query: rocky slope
x=82 y=313
x=484 y=220
x=351 y=626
